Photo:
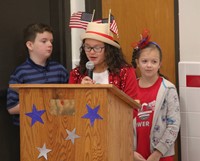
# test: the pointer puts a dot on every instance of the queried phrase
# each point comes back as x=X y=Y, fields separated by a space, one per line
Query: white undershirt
x=101 y=78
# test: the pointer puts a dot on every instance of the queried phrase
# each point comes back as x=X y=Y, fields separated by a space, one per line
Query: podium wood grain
x=110 y=139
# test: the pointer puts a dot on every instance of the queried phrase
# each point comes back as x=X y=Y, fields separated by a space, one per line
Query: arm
x=138 y=157
x=13 y=96
x=155 y=156
x=64 y=75
x=74 y=76
x=71 y=78
x=77 y=78
x=87 y=80
x=12 y=102
x=131 y=87
x=14 y=110
x=172 y=121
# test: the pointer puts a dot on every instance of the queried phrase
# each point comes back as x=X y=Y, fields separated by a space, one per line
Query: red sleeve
x=131 y=87
x=72 y=77
x=75 y=76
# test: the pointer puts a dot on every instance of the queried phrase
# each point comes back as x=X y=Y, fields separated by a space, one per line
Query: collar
x=36 y=66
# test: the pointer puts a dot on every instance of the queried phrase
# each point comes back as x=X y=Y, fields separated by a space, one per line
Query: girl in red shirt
x=156 y=124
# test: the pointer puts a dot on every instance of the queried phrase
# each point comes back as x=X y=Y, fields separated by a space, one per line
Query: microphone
x=90 y=66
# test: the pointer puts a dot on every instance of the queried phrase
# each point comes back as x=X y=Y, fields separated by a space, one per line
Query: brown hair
x=31 y=31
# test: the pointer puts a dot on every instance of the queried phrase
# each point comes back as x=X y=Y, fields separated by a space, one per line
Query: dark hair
x=114 y=58
x=31 y=31
x=137 y=52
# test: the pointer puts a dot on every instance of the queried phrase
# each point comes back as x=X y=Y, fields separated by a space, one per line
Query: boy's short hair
x=31 y=31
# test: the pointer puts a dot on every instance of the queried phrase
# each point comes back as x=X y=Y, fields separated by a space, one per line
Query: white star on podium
x=43 y=151
x=71 y=135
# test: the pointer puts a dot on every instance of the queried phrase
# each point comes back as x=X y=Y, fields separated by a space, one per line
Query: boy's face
x=42 y=46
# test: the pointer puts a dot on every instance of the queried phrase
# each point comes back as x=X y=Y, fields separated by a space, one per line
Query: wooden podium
x=74 y=122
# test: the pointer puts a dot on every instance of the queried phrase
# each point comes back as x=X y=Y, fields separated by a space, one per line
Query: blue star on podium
x=35 y=115
x=92 y=114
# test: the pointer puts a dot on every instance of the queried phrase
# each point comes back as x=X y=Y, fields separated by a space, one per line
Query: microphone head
x=90 y=65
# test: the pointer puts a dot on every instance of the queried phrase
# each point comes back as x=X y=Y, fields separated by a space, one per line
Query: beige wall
x=189 y=25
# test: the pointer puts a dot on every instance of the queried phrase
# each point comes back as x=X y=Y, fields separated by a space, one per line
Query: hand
x=138 y=101
x=14 y=110
x=155 y=156
x=138 y=157
x=87 y=80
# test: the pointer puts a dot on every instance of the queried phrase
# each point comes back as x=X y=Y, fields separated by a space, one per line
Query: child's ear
x=29 y=45
x=160 y=65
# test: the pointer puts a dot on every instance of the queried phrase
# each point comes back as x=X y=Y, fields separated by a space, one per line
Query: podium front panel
x=83 y=124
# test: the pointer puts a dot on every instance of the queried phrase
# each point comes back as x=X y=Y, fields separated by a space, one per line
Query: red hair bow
x=144 y=41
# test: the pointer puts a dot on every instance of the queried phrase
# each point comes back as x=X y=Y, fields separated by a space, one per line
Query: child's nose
x=50 y=43
x=149 y=64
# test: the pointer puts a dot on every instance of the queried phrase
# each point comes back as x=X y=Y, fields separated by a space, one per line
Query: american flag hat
x=100 y=32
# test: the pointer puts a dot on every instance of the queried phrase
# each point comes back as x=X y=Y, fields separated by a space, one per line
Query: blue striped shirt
x=31 y=73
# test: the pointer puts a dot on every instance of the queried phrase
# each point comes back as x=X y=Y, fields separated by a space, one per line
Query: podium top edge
x=18 y=86
x=111 y=87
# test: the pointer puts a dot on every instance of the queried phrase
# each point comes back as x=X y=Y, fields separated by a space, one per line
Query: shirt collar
x=39 y=67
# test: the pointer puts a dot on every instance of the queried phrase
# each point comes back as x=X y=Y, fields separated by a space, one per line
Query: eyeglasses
x=96 y=49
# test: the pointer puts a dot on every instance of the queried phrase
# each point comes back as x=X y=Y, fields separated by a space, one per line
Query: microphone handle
x=90 y=73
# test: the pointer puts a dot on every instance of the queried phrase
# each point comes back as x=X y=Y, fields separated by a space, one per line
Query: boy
x=37 y=69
